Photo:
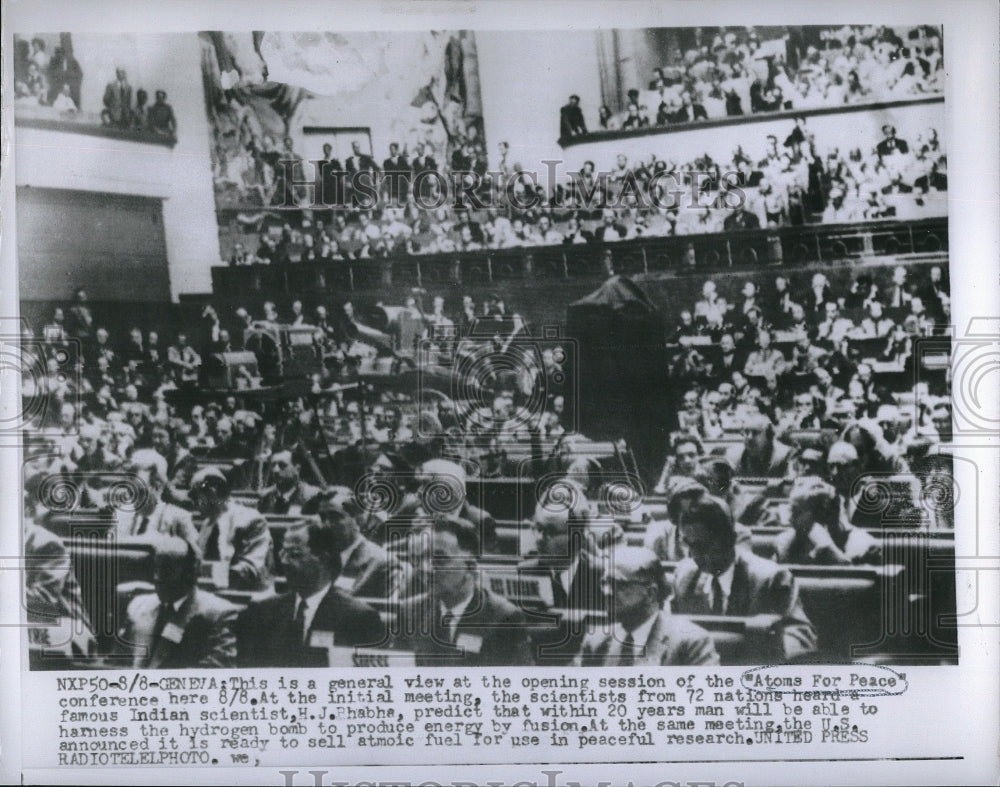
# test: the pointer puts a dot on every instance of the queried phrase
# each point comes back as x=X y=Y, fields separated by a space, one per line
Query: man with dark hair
x=458 y=622
x=719 y=579
x=283 y=631
x=367 y=569
x=160 y=117
x=289 y=493
x=571 y=122
x=644 y=632
x=232 y=533
x=397 y=175
x=179 y=626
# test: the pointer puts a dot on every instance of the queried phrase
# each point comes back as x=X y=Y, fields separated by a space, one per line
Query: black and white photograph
x=350 y=354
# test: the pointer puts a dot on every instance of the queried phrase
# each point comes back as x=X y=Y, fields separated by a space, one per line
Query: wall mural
x=263 y=90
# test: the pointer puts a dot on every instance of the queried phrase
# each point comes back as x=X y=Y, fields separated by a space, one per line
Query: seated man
x=719 y=579
x=818 y=535
x=684 y=461
x=279 y=631
x=152 y=517
x=761 y=454
x=367 y=569
x=289 y=493
x=458 y=622
x=567 y=556
x=232 y=533
x=52 y=594
x=179 y=626
x=644 y=632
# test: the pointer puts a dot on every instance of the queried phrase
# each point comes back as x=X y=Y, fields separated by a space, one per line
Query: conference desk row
x=890 y=609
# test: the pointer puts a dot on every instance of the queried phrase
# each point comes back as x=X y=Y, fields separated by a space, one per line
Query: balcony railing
x=746 y=250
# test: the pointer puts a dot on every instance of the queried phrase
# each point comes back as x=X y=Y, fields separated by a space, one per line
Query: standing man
x=118 y=101
x=232 y=533
x=179 y=626
x=571 y=122
x=281 y=631
x=397 y=175
x=643 y=631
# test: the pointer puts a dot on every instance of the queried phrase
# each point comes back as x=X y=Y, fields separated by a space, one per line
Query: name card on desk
x=521 y=588
x=371 y=657
x=216 y=572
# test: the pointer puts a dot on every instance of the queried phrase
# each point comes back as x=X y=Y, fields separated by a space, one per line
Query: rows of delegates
x=380 y=546
x=782 y=180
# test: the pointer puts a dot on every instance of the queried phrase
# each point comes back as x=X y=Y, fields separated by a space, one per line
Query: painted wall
x=181 y=175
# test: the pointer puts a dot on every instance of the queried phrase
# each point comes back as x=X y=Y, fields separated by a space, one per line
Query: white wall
x=526 y=76
x=181 y=176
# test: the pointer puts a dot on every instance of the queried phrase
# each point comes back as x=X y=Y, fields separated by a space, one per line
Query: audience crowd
x=733 y=72
x=794 y=182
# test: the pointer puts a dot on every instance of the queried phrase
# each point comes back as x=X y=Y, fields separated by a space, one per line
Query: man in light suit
x=232 y=533
x=458 y=622
x=118 y=101
x=718 y=579
x=284 y=631
x=367 y=569
x=642 y=631
x=152 y=517
x=179 y=626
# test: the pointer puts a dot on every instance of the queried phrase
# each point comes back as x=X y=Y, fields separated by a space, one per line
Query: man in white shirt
x=718 y=579
x=150 y=517
x=643 y=632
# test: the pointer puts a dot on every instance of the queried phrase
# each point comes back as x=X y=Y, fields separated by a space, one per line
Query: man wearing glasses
x=297 y=628
x=567 y=557
x=643 y=632
x=232 y=533
x=458 y=622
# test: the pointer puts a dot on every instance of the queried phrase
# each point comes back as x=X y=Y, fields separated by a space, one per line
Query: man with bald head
x=179 y=626
x=719 y=579
x=151 y=517
x=643 y=632
x=566 y=557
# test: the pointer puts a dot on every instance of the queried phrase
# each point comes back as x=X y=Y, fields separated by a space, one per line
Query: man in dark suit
x=718 y=579
x=761 y=455
x=367 y=569
x=458 y=622
x=397 y=175
x=179 y=626
x=891 y=144
x=232 y=533
x=332 y=177
x=571 y=122
x=296 y=628
x=362 y=174
x=289 y=493
x=567 y=557
x=642 y=631
x=422 y=165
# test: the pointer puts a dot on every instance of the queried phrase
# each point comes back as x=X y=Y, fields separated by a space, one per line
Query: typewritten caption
x=219 y=719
